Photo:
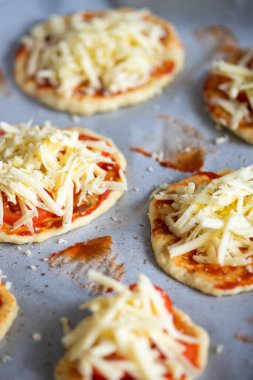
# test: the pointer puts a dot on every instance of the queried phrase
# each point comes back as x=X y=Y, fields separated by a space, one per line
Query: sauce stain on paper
x=4 y=88
x=95 y=254
x=244 y=338
x=177 y=146
x=217 y=37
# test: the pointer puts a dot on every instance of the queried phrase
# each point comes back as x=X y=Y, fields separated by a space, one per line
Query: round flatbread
x=211 y=279
x=65 y=171
x=228 y=93
x=194 y=353
x=8 y=310
x=98 y=61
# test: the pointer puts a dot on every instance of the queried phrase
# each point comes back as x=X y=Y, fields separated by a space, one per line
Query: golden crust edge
x=81 y=221
x=8 y=312
x=180 y=274
x=65 y=369
x=89 y=105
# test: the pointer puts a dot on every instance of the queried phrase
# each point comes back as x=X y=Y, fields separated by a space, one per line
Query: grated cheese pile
x=109 y=53
x=240 y=77
x=215 y=220
x=45 y=167
x=129 y=324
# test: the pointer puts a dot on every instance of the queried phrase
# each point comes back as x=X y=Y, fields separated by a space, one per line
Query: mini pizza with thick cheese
x=8 y=308
x=53 y=180
x=202 y=231
x=92 y=62
x=133 y=334
x=228 y=92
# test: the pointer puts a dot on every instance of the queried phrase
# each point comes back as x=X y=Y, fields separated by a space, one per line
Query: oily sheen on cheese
x=130 y=332
x=215 y=221
x=52 y=169
x=98 y=61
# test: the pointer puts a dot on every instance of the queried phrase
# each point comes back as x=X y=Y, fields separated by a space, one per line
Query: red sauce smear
x=86 y=251
x=95 y=254
x=191 y=160
x=244 y=338
x=224 y=37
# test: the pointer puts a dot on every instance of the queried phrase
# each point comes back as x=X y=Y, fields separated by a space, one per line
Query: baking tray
x=45 y=294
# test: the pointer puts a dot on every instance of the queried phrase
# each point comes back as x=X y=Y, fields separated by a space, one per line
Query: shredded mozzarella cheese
x=135 y=327
x=46 y=168
x=215 y=221
x=240 y=80
x=109 y=53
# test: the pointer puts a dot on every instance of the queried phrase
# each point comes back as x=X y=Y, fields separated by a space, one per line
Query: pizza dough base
x=80 y=221
x=176 y=267
x=88 y=104
x=8 y=310
x=66 y=370
x=220 y=115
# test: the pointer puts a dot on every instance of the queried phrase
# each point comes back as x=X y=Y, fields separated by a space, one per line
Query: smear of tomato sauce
x=190 y=161
x=96 y=248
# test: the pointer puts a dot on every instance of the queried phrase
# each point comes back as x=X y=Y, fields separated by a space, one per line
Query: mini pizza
x=134 y=334
x=8 y=309
x=98 y=61
x=228 y=92
x=202 y=231
x=55 y=180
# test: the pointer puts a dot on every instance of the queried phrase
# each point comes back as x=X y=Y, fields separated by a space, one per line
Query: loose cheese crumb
x=134 y=326
x=46 y=168
x=8 y=285
x=62 y=241
x=36 y=337
x=28 y=253
x=215 y=221
x=33 y=267
x=221 y=140
x=110 y=53
x=219 y=349
x=6 y=358
x=239 y=81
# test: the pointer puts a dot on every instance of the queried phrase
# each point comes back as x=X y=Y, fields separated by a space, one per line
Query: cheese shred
x=214 y=221
x=109 y=52
x=131 y=331
x=239 y=82
x=53 y=170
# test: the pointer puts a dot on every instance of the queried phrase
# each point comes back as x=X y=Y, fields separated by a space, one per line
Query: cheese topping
x=130 y=332
x=215 y=220
x=46 y=168
x=240 y=81
x=107 y=53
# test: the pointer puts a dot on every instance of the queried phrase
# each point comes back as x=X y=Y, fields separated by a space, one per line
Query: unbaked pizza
x=228 y=92
x=134 y=334
x=202 y=231
x=54 y=180
x=8 y=308
x=98 y=61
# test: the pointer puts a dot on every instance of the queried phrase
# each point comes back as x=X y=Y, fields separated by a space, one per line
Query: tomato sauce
x=191 y=160
x=86 y=251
